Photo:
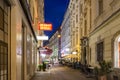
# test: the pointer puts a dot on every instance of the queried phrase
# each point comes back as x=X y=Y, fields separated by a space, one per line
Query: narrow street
x=59 y=72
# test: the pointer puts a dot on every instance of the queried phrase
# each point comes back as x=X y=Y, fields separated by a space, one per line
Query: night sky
x=54 y=11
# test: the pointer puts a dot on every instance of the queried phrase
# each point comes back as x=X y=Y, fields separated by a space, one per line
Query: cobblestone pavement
x=59 y=72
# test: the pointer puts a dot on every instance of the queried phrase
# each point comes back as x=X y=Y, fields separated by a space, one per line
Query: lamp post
x=59 y=46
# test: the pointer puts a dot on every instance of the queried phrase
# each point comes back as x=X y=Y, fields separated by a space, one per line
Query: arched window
x=117 y=52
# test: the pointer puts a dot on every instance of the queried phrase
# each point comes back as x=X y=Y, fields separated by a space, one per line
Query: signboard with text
x=45 y=26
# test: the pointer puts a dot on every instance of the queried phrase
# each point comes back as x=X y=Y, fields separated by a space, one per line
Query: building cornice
x=110 y=18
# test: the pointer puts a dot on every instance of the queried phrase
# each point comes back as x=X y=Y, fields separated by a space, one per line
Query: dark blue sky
x=54 y=11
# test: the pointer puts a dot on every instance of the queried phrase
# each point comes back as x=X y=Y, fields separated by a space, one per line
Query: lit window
x=117 y=52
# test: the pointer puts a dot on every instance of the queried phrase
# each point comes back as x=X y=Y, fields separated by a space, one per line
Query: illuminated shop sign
x=45 y=26
x=42 y=37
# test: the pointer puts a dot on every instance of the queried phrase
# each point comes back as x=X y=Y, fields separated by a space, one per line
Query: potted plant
x=96 y=72
x=39 y=67
x=105 y=68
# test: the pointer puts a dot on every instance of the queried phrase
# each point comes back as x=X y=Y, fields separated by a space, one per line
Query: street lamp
x=74 y=52
x=59 y=35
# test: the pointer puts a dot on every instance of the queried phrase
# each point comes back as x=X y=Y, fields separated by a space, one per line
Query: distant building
x=54 y=45
x=65 y=35
x=104 y=38
x=74 y=11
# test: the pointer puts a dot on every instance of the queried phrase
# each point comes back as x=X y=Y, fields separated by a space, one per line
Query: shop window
x=29 y=44
x=100 y=51
x=117 y=52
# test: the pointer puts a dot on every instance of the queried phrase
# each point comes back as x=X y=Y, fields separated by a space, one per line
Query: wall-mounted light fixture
x=74 y=52
x=59 y=36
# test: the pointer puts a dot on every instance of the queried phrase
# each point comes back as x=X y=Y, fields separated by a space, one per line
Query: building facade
x=39 y=19
x=74 y=29
x=54 y=45
x=65 y=36
x=18 y=42
x=104 y=38
x=85 y=27
x=98 y=30
x=4 y=39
